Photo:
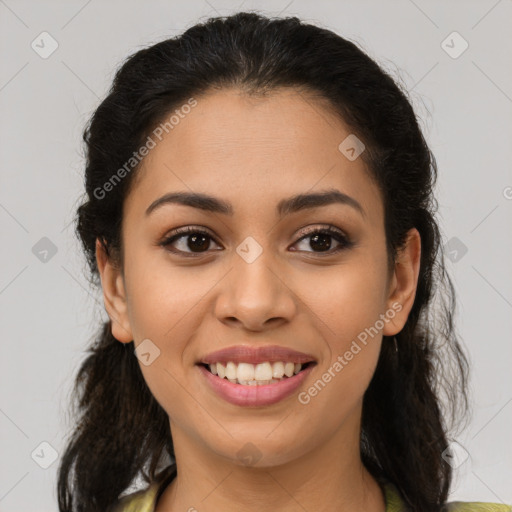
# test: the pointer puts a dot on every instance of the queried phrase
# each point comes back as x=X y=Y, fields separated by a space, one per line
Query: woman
x=260 y=214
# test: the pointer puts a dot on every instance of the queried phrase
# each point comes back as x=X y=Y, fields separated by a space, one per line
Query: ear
x=404 y=282
x=114 y=295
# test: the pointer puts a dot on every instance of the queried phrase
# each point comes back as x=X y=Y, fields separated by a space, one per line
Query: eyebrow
x=287 y=206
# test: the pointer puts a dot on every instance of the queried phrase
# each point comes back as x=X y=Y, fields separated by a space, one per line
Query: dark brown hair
x=121 y=432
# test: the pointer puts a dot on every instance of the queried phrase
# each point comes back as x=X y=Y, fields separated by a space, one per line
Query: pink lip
x=266 y=394
x=255 y=355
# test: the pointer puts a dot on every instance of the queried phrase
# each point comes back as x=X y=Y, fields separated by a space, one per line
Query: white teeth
x=263 y=371
x=230 y=370
x=255 y=374
x=278 y=370
x=288 y=369
x=245 y=371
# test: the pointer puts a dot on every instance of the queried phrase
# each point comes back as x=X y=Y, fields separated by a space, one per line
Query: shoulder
x=145 y=500
x=396 y=503
x=476 y=506
x=140 y=501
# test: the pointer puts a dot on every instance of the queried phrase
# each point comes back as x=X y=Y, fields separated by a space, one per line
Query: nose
x=254 y=294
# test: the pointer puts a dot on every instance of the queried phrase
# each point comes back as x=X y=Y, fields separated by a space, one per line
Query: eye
x=198 y=241
x=319 y=239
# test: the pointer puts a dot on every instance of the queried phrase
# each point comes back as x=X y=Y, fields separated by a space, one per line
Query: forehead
x=254 y=151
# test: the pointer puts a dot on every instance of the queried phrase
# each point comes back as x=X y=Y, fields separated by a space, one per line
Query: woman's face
x=259 y=277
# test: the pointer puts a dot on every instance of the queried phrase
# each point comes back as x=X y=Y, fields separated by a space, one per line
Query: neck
x=330 y=477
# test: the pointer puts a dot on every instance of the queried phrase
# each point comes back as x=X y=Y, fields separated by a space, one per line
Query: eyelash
x=338 y=235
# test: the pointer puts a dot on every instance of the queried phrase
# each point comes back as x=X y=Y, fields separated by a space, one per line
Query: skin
x=253 y=152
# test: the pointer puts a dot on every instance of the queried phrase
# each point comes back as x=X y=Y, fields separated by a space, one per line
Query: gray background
x=48 y=309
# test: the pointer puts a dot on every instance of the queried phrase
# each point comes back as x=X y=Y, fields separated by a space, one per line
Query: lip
x=255 y=355
x=266 y=394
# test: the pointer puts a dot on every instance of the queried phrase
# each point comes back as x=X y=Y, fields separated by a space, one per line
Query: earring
x=396 y=344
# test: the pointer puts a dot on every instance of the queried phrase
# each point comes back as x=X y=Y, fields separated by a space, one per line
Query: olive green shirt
x=146 y=499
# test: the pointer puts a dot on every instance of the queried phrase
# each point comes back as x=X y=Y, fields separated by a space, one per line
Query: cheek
x=348 y=299
x=167 y=312
x=346 y=305
x=163 y=298
x=166 y=306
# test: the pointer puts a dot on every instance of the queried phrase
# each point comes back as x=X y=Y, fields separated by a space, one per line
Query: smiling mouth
x=247 y=374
